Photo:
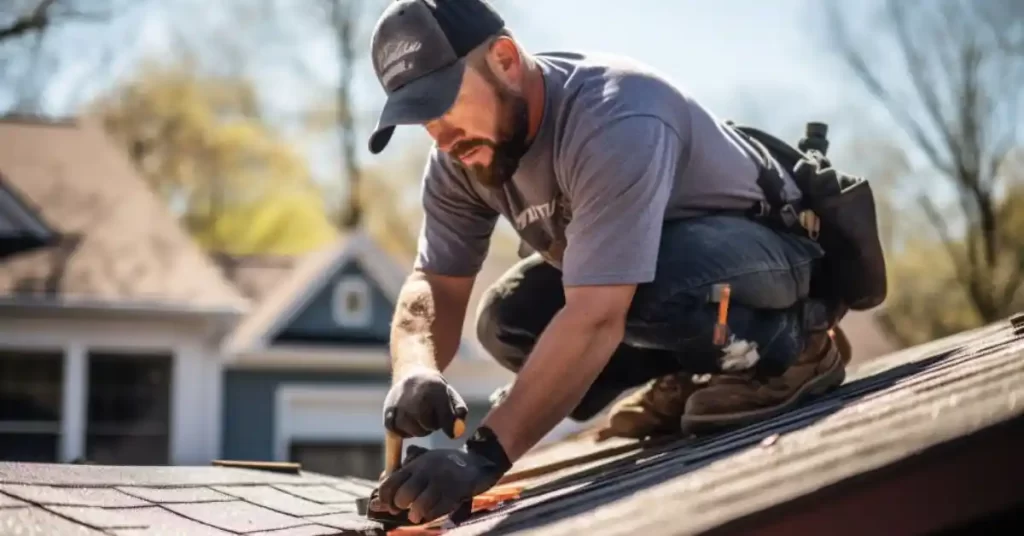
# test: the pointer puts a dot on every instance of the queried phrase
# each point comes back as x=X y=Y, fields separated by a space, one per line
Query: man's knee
x=494 y=326
x=768 y=273
x=514 y=311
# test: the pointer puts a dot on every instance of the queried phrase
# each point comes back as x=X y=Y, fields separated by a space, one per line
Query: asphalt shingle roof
x=49 y=499
x=120 y=243
x=887 y=411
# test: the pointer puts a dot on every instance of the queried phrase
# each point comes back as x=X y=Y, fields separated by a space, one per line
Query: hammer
x=370 y=506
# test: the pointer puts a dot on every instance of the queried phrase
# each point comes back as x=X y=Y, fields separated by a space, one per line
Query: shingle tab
x=307 y=530
x=6 y=501
x=106 y=518
x=237 y=516
x=38 y=522
x=160 y=522
x=191 y=494
x=278 y=500
x=349 y=522
x=322 y=494
x=72 y=496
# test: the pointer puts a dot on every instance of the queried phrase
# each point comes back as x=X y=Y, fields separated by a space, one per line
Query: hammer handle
x=393 y=444
x=392 y=453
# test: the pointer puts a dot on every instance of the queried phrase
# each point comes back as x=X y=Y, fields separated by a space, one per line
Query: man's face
x=486 y=129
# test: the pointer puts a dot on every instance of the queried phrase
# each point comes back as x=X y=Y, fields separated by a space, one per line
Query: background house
x=122 y=342
x=108 y=336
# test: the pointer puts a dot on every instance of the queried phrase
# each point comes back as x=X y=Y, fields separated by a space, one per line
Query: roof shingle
x=120 y=244
x=887 y=411
x=91 y=499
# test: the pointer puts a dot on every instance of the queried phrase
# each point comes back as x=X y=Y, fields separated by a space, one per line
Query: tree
x=40 y=46
x=198 y=141
x=954 y=91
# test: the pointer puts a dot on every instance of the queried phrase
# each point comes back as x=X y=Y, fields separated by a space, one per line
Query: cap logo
x=392 y=59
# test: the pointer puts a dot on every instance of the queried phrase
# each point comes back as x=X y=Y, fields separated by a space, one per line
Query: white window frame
x=196 y=386
x=352 y=284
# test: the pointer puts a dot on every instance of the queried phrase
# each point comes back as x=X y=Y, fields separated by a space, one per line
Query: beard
x=507 y=149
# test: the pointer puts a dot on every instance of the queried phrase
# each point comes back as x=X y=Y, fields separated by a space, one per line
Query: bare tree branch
x=958 y=102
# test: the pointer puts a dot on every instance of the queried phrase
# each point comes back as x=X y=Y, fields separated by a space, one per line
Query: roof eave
x=73 y=308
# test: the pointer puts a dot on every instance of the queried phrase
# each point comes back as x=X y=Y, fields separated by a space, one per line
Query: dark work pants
x=670 y=323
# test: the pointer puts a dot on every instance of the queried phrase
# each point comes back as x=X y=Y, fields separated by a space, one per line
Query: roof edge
x=70 y=307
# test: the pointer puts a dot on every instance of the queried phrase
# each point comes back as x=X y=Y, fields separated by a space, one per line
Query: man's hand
x=420 y=402
x=436 y=482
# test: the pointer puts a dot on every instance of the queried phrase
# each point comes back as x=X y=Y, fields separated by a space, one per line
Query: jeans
x=670 y=323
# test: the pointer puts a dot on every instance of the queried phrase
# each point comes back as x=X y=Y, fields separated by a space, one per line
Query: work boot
x=653 y=410
x=740 y=398
x=845 y=349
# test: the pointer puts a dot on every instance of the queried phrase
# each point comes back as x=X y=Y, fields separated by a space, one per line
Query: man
x=635 y=199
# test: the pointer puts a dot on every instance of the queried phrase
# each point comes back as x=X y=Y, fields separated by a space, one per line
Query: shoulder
x=601 y=92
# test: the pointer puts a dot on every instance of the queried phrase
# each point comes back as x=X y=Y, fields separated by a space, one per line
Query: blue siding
x=316 y=325
x=248 y=431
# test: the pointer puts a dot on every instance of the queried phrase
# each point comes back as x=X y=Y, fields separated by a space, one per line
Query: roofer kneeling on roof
x=637 y=202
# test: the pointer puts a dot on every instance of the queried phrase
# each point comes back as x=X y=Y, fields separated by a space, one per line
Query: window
x=351 y=305
x=128 y=417
x=31 y=386
x=363 y=460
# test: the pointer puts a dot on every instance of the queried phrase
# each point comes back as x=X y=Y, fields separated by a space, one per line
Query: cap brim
x=417 y=102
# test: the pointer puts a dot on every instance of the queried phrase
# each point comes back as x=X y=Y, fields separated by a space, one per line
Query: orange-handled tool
x=720 y=293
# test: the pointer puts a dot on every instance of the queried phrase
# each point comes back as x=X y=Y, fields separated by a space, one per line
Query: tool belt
x=837 y=211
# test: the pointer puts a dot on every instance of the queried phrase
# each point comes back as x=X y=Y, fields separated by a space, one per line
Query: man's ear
x=506 y=62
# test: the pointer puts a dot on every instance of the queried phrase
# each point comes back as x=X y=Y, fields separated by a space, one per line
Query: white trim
x=194 y=411
x=333 y=412
x=75 y=398
x=345 y=287
x=356 y=359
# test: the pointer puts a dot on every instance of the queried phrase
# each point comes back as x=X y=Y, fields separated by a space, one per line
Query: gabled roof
x=120 y=245
x=60 y=499
x=924 y=405
x=284 y=287
x=302 y=283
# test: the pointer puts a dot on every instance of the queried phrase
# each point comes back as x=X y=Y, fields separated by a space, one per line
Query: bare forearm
x=420 y=335
x=569 y=355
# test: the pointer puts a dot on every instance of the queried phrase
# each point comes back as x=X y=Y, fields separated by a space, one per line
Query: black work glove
x=421 y=402
x=435 y=483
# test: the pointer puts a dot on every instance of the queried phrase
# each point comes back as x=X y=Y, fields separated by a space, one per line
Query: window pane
x=340 y=459
x=30 y=386
x=22 y=447
x=129 y=409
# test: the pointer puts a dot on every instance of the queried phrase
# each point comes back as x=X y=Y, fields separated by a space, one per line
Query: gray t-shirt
x=619 y=151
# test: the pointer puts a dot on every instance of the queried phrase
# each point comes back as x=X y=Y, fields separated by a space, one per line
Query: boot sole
x=822 y=385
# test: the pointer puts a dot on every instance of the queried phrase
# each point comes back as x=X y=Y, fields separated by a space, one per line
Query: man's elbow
x=601 y=309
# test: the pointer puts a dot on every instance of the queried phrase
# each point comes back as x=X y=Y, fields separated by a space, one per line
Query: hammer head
x=369 y=507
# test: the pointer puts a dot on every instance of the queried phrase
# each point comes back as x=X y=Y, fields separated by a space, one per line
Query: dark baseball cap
x=419 y=52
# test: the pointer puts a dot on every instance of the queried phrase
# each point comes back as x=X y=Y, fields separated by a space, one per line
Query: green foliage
x=201 y=144
x=935 y=291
